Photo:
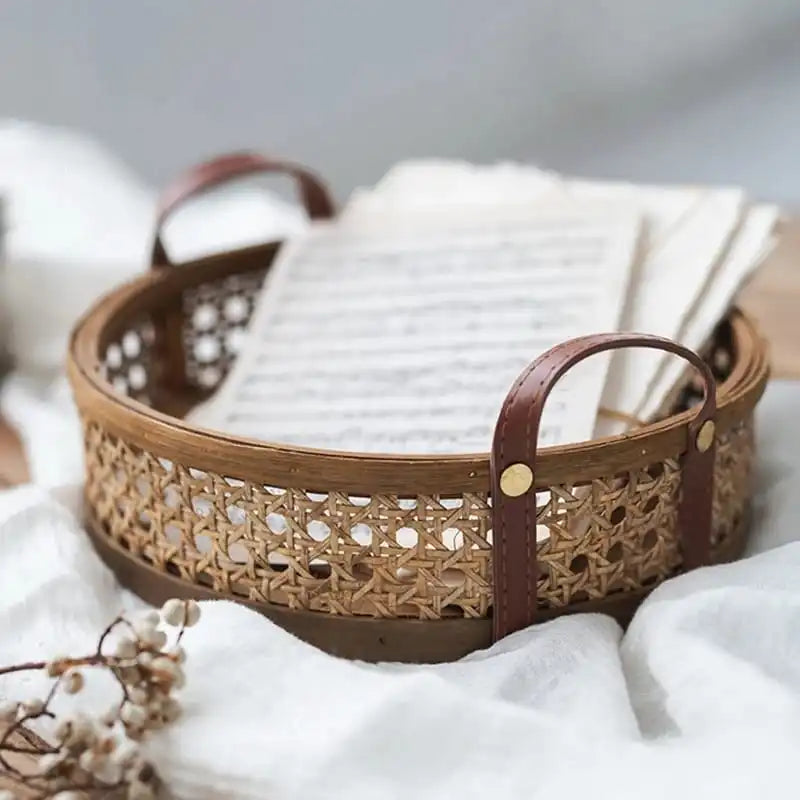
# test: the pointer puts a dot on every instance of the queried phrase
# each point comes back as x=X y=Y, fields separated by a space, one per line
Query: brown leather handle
x=515 y=568
x=316 y=199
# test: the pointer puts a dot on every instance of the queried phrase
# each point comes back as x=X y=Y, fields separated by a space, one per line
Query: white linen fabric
x=701 y=696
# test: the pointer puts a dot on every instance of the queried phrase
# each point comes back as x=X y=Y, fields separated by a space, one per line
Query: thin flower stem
x=35 y=741
x=123 y=688
x=19 y=723
x=31 y=665
x=21 y=749
x=105 y=634
x=31 y=751
x=86 y=661
x=10 y=771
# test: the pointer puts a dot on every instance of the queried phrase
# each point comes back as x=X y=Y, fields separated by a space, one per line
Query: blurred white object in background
x=79 y=222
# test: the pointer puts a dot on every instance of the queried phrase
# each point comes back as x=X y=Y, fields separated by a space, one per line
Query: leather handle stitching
x=568 y=353
x=531 y=566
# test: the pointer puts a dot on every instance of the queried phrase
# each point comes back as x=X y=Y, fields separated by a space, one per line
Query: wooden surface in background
x=13 y=469
x=773 y=300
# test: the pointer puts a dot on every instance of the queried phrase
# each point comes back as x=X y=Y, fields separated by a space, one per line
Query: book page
x=393 y=342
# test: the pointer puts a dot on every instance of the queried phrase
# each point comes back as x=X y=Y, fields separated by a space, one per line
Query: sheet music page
x=687 y=230
x=393 y=341
x=752 y=244
x=436 y=189
x=444 y=182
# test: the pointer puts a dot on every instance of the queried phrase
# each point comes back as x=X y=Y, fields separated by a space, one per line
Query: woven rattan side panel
x=215 y=317
x=426 y=557
x=129 y=364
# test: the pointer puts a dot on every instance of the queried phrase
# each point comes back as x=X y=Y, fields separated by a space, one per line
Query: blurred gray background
x=689 y=90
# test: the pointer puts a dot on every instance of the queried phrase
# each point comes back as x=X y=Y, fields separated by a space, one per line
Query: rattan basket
x=381 y=556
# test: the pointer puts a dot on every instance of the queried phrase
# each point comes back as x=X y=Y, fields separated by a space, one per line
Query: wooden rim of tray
x=285 y=465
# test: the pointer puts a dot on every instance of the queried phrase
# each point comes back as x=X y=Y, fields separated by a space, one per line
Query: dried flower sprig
x=92 y=756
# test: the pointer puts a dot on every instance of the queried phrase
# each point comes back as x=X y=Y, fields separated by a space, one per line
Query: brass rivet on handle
x=516 y=480
x=705 y=436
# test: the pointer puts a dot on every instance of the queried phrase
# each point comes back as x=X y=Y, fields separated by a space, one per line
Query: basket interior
x=214 y=316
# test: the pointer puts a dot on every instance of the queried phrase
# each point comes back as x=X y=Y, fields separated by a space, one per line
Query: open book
x=401 y=326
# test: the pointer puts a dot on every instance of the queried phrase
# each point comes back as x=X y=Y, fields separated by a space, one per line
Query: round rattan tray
x=374 y=556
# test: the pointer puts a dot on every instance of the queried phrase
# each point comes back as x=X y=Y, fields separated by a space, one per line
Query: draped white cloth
x=700 y=698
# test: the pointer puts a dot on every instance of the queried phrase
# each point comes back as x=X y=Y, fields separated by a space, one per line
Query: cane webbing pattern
x=425 y=557
x=215 y=317
x=128 y=364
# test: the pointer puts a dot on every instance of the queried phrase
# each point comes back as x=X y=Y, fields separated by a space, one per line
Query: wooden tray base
x=369 y=638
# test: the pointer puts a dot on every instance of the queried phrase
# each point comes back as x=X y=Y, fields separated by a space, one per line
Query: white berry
x=133 y=715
